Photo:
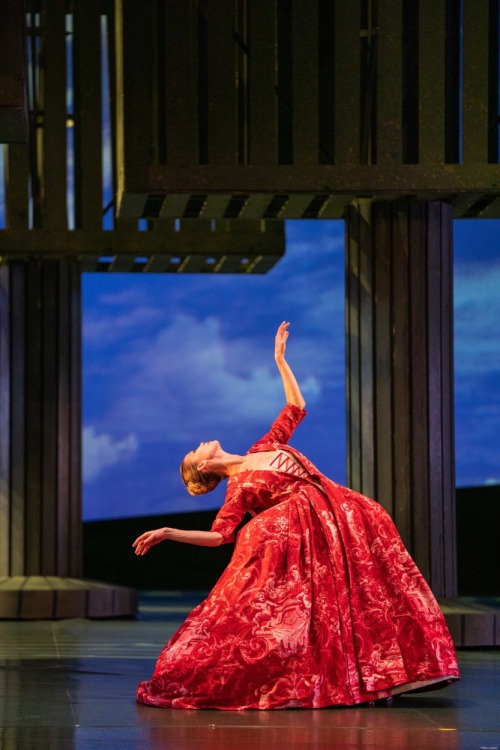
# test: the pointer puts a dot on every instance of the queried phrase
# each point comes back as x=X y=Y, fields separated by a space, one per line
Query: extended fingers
x=142 y=544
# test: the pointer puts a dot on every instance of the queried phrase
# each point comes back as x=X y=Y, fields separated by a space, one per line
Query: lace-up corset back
x=282 y=461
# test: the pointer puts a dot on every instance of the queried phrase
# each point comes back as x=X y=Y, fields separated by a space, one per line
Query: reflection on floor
x=69 y=685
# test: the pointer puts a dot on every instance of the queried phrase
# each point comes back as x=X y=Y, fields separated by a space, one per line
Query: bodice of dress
x=258 y=488
x=286 y=463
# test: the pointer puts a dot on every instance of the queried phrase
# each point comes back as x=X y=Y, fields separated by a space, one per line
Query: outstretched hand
x=280 y=341
x=147 y=540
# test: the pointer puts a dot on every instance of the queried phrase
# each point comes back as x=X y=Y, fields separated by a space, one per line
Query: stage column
x=40 y=447
x=400 y=406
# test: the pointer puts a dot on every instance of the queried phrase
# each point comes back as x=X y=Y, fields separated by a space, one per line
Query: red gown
x=320 y=605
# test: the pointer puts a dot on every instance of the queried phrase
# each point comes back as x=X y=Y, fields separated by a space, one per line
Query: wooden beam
x=431 y=74
x=221 y=83
x=55 y=125
x=389 y=131
x=177 y=104
x=347 y=87
x=13 y=73
x=230 y=237
x=475 y=110
x=305 y=83
x=262 y=126
x=88 y=113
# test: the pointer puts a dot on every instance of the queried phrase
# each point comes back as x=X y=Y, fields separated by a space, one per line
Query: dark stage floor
x=69 y=685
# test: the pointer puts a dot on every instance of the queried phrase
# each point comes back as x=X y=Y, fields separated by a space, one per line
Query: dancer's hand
x=147 y=540
x=292 y=390
x=280 y=342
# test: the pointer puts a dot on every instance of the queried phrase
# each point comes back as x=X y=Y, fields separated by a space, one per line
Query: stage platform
x=69 y=685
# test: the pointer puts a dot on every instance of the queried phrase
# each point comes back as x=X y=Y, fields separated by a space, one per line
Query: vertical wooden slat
x=347 y=73
x=353 y=347
x=54 y=123
x=134 y=73
x=17 y=187
x=18 y=416
x=13 y=99
x=420 y=400
x=435 y=376
x=305 y=82
x=389 y=131
x=48 y=387
x=5 y=397
x=401 y=376
x=431 y=72
x=75 y=427
x=326 y=82
x=410 y=80
x=449 y=492
x=88 y=113
x=64 y=447
x=221 y=66
x=493 y=80
x=180 y=93
x=475 y=82
x=262 y=131
x=453 y=82
x=366 y=411
x=34 y=417
x=383 y=431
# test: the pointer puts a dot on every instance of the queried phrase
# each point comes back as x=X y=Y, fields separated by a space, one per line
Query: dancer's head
x=195 y=468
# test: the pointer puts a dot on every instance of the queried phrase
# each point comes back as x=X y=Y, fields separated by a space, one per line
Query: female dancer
x=320 y=605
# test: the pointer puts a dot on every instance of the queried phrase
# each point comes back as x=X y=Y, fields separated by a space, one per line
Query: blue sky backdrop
x=170 y=360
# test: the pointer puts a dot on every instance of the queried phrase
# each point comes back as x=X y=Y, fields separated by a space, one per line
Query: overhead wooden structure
x=177 y=136
x=290 y=110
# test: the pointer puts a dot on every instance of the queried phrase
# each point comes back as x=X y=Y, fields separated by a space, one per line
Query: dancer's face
x=205 y=451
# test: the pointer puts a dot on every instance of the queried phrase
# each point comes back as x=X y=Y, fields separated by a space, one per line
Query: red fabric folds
x=321 y=604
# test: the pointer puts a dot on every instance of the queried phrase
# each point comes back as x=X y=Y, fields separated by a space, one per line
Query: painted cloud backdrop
x=173 y=360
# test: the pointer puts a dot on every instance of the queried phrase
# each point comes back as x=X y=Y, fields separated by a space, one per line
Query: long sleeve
x=232 y=512
x=282 y=428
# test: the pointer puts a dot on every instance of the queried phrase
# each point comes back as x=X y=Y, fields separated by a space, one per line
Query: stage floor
x=70 y=684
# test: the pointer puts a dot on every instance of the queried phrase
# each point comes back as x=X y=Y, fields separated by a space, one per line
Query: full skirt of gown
x=321 y=605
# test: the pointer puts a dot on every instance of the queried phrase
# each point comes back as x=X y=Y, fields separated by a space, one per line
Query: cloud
x=186 y=380
x=181 y=355
x=477 y=312
x=102 y=450
x=108 y=327
x=173 y=359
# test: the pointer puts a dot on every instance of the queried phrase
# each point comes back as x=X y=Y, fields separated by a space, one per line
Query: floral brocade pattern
x=321 y=604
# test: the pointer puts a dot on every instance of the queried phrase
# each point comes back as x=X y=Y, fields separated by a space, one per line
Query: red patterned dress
x=321 y=604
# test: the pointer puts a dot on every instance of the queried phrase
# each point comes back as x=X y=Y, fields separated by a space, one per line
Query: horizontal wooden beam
x=360 y=179
x=178 y=247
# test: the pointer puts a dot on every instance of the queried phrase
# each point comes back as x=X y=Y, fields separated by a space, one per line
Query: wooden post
x=41 y=424
x=399 y=318
x=40 y=448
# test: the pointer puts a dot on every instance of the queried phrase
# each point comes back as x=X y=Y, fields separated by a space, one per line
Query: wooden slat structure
x=400 y=388
x=327 y=99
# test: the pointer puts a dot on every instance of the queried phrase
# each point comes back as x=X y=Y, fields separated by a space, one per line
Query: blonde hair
x=198 y=482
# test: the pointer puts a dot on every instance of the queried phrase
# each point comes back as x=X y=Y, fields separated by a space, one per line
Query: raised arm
x=292 y=390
